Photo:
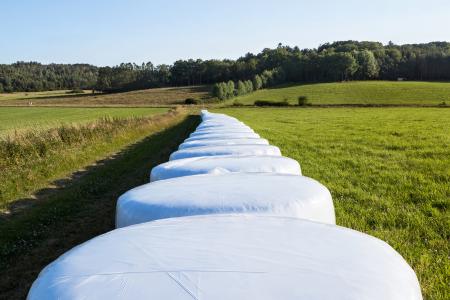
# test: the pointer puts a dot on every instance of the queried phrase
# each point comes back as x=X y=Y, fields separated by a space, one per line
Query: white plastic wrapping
x=222 y=120
x=205 y=115
x=225 y=164
x=224 y=131
x=225 y=135
x=259 y=193
x=227 y=142
x=218 y=125
x=236 y=150
x=224 y=127
x=230 y=257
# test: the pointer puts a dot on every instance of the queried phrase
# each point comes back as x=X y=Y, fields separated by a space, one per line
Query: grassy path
x=82 y=208
x=388 y=170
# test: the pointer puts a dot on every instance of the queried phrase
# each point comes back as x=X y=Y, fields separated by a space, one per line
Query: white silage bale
x=230 y=257
x=225 y=164
x=222 y=142
x=234 y=135
x=259 y=193
x=215 y=124
x=224 y=131
x=221 y=129
x=236 y=150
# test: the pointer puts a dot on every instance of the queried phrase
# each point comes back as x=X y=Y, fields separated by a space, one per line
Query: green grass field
x=149 y=97
x=388 y=170
x=362 y=92
x=23 y=118
x=353 y=93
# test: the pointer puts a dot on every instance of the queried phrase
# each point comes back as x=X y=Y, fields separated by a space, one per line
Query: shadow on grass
x=63 y=96
x=76 y=209
x=189 y=89
x=294 y=84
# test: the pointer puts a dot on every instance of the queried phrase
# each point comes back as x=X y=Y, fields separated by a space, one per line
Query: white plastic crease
x=230 y=257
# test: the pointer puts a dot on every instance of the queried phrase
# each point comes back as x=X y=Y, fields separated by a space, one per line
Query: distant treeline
x=33 y=76
x=345 y=60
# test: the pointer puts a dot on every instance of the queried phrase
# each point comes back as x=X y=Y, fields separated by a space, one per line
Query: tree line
x=337 y=61
x=33 y=76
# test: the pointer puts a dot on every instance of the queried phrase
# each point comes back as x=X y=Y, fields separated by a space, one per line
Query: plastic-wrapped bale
x=225 y=131
x=221 y=130
x=229 y=122
x=227 y=142
x=223 y=118
x=236 y=150
x=234 y=135
x=205 y=115
x=230 y=257
x=225 y=164
x=258 y=193
x=214 y=116
x=216 y=125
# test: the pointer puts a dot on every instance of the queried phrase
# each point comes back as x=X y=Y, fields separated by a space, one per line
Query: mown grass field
x=60 y=189
x=357 y=93
x=37 y=118
x=30 y=96
x=149 y=97
x=388 y=170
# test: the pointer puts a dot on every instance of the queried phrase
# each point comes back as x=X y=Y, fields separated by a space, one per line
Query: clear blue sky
x=107 y=32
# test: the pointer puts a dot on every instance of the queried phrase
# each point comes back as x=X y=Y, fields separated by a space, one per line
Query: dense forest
x=32 y=76
x=338 y=61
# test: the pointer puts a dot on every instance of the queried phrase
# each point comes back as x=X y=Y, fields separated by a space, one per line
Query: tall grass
x=40 y=118
x=32 y=158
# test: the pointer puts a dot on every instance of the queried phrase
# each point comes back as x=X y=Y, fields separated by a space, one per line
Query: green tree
x=257 y=82
x=241 y=88
x=267 y=78
x=337 y=65
x=230 y=88
x=215 y=90
x=249 y=85
x=367 y=65
x=224 y=91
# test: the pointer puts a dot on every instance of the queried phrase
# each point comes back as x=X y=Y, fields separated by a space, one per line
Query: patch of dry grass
x=149 y=97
